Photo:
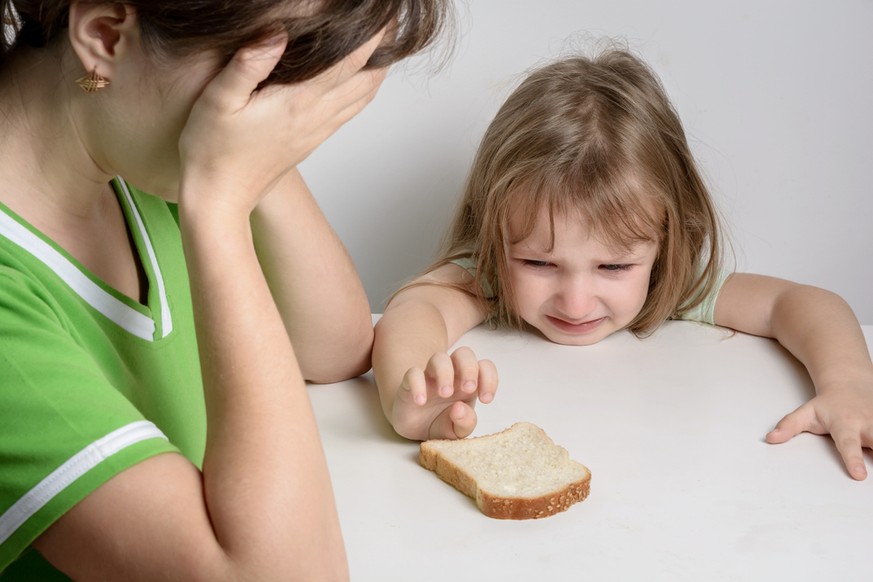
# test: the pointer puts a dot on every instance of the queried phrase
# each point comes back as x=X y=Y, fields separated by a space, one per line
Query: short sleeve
x=469 y=264
x=66 y=429
x=705 y=310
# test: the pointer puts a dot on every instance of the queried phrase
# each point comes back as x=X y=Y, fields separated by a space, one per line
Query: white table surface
x=683 y=485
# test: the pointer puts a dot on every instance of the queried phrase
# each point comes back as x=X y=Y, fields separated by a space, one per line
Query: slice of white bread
x=519 y=473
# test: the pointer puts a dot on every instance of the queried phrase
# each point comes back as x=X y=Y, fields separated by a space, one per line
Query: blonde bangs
x=618 y=209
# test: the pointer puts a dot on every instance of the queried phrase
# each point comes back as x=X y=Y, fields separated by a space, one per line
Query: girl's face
x=581 y=290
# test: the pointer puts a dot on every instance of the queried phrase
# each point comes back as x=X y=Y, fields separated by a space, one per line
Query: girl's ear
x=101 y=34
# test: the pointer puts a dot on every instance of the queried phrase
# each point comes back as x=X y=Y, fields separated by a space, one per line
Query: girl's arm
x=314 y=283
x=426 y=392
x=821 y=331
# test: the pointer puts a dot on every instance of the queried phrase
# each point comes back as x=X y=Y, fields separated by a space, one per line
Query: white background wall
x=776 y=96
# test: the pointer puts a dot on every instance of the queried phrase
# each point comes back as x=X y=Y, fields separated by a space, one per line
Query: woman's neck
x=46 y=171
x=48 y=175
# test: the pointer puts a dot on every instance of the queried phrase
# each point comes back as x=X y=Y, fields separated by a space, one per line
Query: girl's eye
x=616 y=268
x=536 y=264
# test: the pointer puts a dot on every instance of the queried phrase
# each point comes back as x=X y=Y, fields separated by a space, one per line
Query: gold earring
x=92 y=82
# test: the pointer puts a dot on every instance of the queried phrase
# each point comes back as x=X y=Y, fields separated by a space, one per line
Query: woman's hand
x=240 y=140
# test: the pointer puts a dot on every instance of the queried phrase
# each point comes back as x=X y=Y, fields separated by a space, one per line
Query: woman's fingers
x=349 y=66
x=247 y=69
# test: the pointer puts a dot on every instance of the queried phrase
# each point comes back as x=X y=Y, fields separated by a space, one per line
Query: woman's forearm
x=266 y=483
x=314 y=283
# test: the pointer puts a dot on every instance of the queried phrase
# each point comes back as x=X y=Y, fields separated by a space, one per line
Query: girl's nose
x=576 y=298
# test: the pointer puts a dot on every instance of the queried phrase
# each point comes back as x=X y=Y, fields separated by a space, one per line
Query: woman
x=153 y=347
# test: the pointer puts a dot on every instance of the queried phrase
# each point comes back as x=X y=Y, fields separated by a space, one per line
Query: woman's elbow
x=345 y=359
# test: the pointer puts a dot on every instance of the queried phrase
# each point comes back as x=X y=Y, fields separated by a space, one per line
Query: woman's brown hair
x=596 y=136
x=320 y=32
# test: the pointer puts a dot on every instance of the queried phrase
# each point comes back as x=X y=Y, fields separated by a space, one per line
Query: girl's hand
x=846 y=414
x=239 y=141
x=438 y=402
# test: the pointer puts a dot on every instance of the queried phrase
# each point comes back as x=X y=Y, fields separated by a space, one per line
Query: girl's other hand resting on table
x=819 y=329
x=846 y=414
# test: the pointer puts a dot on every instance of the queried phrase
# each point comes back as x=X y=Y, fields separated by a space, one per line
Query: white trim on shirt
x=75 y=467
x=125 y=316
x=166 y=319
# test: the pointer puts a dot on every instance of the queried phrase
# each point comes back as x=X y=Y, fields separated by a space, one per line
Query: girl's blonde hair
x=598 y=136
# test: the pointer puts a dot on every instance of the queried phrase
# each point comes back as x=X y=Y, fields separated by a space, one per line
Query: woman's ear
x=101 y=34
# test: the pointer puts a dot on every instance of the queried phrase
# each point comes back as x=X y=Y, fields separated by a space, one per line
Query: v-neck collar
x=150 y=322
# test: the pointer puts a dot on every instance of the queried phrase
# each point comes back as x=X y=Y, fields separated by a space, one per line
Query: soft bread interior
x=520 y=462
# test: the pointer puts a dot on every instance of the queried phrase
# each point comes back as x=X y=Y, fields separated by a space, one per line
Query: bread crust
x=504 y=507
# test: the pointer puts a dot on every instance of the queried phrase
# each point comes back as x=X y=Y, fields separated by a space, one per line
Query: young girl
x=584 y=215
x=155 y=421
